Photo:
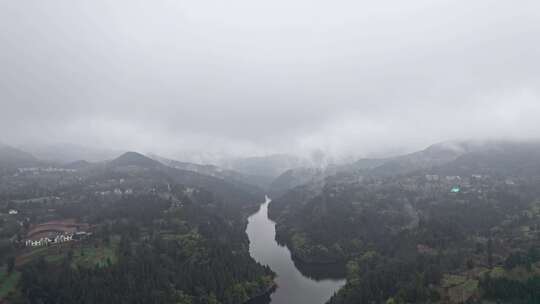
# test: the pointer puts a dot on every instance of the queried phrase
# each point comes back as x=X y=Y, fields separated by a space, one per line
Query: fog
x=244 y=77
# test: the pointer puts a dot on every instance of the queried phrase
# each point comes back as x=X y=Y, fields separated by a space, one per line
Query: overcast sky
x=254 y=77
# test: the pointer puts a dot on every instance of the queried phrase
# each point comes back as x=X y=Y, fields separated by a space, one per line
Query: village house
x=43 y=241
x=79 y=235
x=453 y=178
x=55 y=232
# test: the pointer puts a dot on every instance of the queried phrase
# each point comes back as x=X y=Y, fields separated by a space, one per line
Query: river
x=312 y=285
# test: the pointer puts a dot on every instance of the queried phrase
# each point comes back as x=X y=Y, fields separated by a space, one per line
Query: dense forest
x=446 y=229
x=426 y=235
x=183 y=255
x=150 y=239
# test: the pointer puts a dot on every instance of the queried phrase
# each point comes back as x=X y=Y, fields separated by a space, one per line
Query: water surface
x=294 y=287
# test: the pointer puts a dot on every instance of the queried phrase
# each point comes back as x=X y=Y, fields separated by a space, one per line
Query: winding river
x=296 y=284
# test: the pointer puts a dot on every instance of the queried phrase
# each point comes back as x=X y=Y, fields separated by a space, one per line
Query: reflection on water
x=314 y=285
x=320 y=272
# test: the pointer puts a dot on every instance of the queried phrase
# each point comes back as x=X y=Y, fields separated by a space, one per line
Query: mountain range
x=11 y=157
x=467 y=156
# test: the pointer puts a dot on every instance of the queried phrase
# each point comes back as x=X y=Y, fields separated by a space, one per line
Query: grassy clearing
x=54 y=258
x=91 y=256
x=519 y=273
x=8 y=283
x=462 y=292
x=83 y=255
x=53 y=253
x=3 y=274
x=450 y=280
x=497 y=272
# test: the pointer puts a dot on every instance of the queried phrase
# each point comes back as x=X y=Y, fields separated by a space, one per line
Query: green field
x=51 y=254
x=91 y=256
x=8 y=282
x=85 y=256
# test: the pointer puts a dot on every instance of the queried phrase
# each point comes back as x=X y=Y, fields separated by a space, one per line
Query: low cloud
x=249 y=78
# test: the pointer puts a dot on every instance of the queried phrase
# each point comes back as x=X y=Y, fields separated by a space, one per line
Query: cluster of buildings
x=43 y=241
x=56 y=232
x=37 y=170
x=116 y=191
x=475 y=183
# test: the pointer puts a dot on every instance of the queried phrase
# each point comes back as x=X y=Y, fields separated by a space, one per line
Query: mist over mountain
x=133 y=159
x=270 y=152
x=449 y=200
x=351 y=80
x=383 y=217
x=13 y=157
x=267 y=167
x=261 y=181
x=501 y=157
x=69 y=152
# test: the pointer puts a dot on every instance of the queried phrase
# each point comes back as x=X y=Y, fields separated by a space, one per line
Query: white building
x=60 y=238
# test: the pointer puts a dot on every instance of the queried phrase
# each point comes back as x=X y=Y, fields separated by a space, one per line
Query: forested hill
x=12 y=158
x=521 y=160
x=155 y=234
x=459 y=229
x=243 y=182
x=185 y=253
x=455 y=157
x=228 y=189
x=295 y=177
x=432 y=157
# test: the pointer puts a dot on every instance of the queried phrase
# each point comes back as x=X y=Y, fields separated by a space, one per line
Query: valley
x=456 y=223
x=269 y=152
x=294 y=283
x=449 y=227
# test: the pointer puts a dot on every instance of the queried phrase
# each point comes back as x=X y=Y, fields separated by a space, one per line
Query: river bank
x=293 y=284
